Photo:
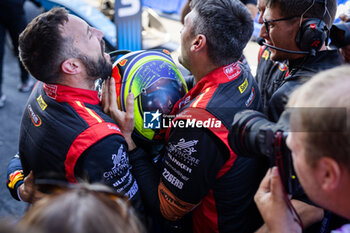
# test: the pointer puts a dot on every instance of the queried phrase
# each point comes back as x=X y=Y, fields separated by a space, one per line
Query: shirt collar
x=62 y=93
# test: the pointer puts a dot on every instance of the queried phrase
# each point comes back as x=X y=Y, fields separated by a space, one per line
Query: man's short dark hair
x=41 y=45
x=227 y=26
x=311 y=8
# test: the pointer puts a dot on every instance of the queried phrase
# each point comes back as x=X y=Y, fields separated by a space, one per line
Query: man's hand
x=271 y=203
x=28 y=191
x=124 y=120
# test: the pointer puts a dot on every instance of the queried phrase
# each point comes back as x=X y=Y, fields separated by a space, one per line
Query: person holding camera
x=296 y=33
x=199 y=173
x=319 y=141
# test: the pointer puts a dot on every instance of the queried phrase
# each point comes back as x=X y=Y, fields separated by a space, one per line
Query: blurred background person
x=250 y=4
x=12 y=20
x=81 y=208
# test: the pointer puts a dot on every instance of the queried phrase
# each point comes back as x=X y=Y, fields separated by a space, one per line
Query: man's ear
x=328 y=173
x=71 y=66
x=199 y=42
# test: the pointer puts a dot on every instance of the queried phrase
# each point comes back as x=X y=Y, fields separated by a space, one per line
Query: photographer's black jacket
x=300 y=70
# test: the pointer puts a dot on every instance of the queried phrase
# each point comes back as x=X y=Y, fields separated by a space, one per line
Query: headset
x=312 y=34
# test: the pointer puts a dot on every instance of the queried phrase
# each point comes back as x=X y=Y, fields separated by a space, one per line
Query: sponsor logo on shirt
x=51 y=90
x=251 y=98
x=243 y=86
x=34 y=117
x=41 y=102
x=183 y=150
x=282 y=67
x=113 y=127
x=121 y=164
x=179 y=173
x=266 y=55
x=179 y=164
x=172 y=179
x=232 y=71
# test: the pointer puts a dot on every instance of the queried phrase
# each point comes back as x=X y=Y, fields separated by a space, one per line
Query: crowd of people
x=70 y=135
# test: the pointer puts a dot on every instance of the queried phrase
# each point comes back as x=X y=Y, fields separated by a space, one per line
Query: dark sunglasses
x=267 y=22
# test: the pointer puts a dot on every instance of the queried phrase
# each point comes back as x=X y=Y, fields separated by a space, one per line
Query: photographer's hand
x=272 y=205
x=124 y=120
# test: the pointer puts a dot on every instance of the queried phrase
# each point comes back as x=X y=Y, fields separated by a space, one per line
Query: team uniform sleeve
x=14 y=176
x=191 y=162
x=107 y=161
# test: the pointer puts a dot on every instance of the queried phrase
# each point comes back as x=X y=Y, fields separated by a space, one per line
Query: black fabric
x=227 y=100
x=43 y=148
x=202 y=165
x=269 y=76
x=300 y=70
x=237 y=198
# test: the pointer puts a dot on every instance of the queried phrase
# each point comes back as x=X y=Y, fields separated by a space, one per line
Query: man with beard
x=64 y=135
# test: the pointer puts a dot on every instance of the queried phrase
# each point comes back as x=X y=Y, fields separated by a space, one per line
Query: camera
x=253 y=135
x=340 y=34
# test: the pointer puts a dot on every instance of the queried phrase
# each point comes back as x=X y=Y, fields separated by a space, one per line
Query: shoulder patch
x=232 y=71
x=34 y=117
x=283 y=67
x=41 y=103
x=251 y=98
x=266 y=55
x=51 y=90
x=243 y=86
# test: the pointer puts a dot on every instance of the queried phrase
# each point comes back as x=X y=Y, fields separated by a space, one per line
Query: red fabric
x=86 y=139
x=90 y=117
x=212 y=80
x=62 y=93
x=262 y=48
x=206 y=218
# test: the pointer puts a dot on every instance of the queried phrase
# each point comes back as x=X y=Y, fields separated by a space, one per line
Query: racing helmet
x=156 y=83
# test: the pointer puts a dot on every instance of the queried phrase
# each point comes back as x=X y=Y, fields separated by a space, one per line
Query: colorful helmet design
x=155 y=81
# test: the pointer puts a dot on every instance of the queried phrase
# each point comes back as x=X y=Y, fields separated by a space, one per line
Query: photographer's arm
x=309 y=215
x=271 y=203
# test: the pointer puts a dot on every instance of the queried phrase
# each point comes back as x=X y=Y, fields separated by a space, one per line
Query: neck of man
x=78 y=81
x=202 y=69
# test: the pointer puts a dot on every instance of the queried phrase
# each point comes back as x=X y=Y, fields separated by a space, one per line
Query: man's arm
x=14 y=176
x=191 y=162
x=309 y=215
x=107 y=161
x=21 y=188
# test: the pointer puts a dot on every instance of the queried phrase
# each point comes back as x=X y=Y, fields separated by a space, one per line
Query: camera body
x=253 y=135
x=340 y=34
